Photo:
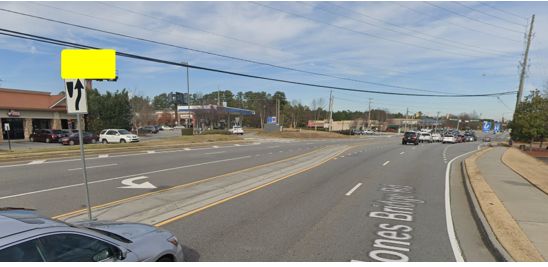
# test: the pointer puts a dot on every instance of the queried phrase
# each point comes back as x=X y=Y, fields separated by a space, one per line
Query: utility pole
x=278 y=110
x=406 y=118
x=369 y=115
x=436 y=125
x=524 y=64
x=330 y=110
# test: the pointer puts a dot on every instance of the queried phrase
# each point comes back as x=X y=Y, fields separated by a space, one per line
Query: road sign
x=88 y=64
x=6 y=127
x=486 y=126
x=497 y=127
x=76 y=97
x=271 y=120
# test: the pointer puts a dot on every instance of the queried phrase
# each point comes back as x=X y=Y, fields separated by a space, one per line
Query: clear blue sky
x=476 y=49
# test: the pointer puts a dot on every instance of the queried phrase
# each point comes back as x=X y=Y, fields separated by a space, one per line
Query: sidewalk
x=526 y=204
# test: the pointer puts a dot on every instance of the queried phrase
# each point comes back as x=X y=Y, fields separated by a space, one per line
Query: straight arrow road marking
x=130 y=184
x=91 y=167
x=386 y=163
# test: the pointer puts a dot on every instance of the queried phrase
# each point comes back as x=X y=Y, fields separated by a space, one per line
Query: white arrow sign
x=130 y=184
x=75 y=94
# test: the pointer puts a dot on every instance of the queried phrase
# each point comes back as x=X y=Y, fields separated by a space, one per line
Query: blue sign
x=271 y=120
x=486 y=126
x=497 y=127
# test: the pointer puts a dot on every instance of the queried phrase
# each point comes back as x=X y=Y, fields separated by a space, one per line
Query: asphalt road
x=334 y=212
x=378 y=201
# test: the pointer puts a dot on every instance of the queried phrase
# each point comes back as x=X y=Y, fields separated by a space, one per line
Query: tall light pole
x=187 y=95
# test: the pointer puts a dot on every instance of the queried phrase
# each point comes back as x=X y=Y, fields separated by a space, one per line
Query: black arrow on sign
x=69 y=88
x=78 y=87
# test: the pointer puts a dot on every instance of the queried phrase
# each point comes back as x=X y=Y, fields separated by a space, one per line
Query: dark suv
x=410 y=137
x=47 y=135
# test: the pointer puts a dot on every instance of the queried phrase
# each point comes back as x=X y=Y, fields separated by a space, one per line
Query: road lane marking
x=91 y=167
x=353 y=189
x=236 y=144
x=212 y=153
x=402 y=153
x=384 y=164
x=273 y=146
x=102 y=156
x=151 y=152
x=215 y=146
x=122 y=177
x=36 y=162
x=186 y=149
x=448 y=216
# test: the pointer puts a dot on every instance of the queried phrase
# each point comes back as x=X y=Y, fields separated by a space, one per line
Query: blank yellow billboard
x=88 y=64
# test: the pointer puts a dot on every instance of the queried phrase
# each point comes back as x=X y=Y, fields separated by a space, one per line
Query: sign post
x=7 y=130
x=76 y=66
x=77 y=104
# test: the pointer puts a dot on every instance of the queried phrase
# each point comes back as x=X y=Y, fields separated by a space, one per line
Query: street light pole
x=187 y=94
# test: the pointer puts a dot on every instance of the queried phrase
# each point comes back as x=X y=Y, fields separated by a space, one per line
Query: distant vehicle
x=368 y=132
x=460 y=138
x=237 y=130
x=425 y=137
x=26 y=236
x=46 y=135
x=470 y=137
x=410 y=137
x=486 y=139
x=436 y=137
x=166 y=128
x=148 y=129
x=74 y=139
x=449 y=138
x=356 y=132
x=117 y=136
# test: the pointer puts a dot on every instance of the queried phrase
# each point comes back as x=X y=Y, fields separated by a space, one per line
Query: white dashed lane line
x=212 y=153
x=36 y=162
x=402 y=153
x=91 y=167
x=353 y=189
x=386 y=163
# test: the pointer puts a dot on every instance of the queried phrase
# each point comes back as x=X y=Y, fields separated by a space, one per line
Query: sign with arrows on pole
x=76 y=66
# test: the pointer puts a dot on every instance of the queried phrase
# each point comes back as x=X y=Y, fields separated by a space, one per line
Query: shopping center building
x=26 y=111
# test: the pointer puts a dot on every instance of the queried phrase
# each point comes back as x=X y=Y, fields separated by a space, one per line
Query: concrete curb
x=487 y=234
x=503 y=233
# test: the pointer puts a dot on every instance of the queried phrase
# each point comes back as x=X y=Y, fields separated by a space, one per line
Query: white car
x=449 y=138
x=166 y=128
x=436 y=137
x=237 y=130
x=425 y=137
x=117 y=136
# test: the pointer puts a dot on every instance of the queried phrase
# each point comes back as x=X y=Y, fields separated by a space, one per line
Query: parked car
x=166 y=128
x=26 y=236
x=449 y=138
x=148 y=129
x=436 y=137
x=425 y=137
x=410 y=137
x=46 y=135
x=117 y=136
x=368 y=132
x=237 y=130
x=356 y=132
x=74 y=139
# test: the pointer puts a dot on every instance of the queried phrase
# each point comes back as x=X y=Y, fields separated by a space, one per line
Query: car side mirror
x=103 y=255
x=122 y=255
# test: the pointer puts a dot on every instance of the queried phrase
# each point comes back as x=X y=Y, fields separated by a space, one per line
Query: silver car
x=27 y=236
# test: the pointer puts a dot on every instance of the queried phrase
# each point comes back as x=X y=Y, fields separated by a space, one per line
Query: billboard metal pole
x=83 y=156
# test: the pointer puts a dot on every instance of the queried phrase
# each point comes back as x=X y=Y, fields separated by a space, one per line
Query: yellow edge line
x=81 y=211
x=246 y=192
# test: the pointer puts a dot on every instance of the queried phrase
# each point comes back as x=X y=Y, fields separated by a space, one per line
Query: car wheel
x=166 y=258
x=417 y=144
x=122 y=140
x=48 y=140
x=104 y=141
x=71 y=142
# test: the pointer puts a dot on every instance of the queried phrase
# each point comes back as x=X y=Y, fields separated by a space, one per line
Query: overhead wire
x=472 y=18
x=432 y=38
x=167 y=62
x=360 y=32
x=220 y=55
x=458 y=25
x=487 y=14
x=503 y=11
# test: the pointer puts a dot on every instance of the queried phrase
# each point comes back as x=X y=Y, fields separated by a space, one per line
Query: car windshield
x=123 y=131
x=57 y=131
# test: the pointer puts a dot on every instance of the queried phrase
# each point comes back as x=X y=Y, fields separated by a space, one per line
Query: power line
x=161 y=61
x=458 y=25
x=471 y=18
x=434 y=38
x=487 y=14
x=359 y=32
x=503 y=11
x=220 y=55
